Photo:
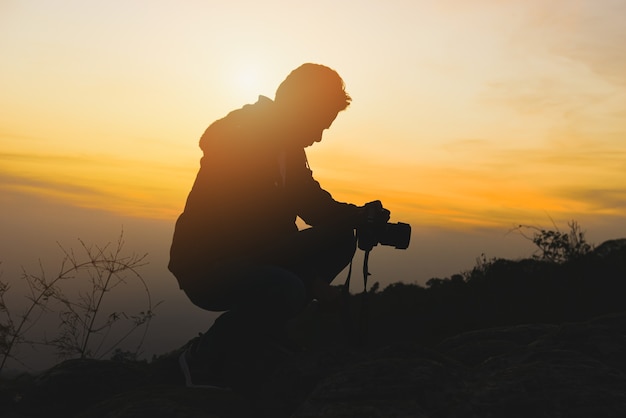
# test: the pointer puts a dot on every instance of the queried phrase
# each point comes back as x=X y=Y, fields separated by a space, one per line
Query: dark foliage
x=508 y=338
x=498 y=292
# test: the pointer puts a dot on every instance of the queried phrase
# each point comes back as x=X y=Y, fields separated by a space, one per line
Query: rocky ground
x=516 y=339
x=537 y=370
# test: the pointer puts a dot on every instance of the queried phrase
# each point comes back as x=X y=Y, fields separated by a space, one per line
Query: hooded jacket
x=249 y=190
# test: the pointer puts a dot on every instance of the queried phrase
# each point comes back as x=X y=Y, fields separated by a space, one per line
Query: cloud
x=79 y=195
x=563 y=68
x=589 y=32
x=37 y=158
x=500 y=184
x=600 y=200
x=130 y=187
x=537 y=95
x=49 y=187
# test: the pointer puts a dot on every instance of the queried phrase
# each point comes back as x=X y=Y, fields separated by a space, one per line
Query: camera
x=376 y=230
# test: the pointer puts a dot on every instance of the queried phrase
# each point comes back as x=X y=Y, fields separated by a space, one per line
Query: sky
x=468 y=118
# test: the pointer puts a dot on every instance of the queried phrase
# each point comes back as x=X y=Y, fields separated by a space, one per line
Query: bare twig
x=103 y=269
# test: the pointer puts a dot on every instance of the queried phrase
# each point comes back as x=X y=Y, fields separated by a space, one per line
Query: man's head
x=313 y=84
x=311 y=97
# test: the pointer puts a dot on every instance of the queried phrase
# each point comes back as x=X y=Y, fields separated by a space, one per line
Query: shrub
x=84 y=329
x=556 y=246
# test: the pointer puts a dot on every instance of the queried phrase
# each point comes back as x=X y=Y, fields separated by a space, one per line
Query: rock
x=568 y=370
x=87 y=388
x=75 y=384
x=474 y=347
x=522 y=339
x=547 y=382
x=573 y=369
x=390 y=383
x=167 y=402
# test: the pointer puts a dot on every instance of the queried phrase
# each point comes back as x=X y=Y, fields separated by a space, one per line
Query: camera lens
x=397 y=235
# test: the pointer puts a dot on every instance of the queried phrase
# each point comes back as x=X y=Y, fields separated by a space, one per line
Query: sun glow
x=480 y=119
x=246 y=80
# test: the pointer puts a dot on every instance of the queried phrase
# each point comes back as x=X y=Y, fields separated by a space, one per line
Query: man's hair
x=313 y=83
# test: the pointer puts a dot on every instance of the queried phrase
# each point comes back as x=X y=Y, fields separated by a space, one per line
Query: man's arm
x=315 y=205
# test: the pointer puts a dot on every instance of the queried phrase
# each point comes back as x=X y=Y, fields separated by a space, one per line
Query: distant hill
x=502 y=292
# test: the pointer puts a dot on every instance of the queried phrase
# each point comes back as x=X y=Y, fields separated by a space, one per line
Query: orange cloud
x=130 y=187
x=481 y=183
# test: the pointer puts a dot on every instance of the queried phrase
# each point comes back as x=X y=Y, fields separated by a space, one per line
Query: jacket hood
x=251 y=118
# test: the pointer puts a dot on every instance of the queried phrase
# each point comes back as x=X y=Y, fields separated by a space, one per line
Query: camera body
x=376 y=230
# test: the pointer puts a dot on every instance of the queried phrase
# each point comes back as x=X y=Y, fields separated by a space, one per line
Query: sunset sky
x=491 y=114
x=468 y=116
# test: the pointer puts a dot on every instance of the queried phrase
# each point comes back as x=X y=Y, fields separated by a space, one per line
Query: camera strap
x=363 y=329
x=346 y=286
x=364 y=315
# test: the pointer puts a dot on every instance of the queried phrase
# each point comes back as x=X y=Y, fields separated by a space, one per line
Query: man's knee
x=283 y=290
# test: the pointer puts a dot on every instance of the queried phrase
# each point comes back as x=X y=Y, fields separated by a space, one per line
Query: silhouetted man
x=236 y=247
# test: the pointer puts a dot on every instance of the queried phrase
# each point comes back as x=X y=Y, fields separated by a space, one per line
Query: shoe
x=198 y=374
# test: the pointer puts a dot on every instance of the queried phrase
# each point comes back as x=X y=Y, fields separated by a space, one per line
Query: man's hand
x=373 y=213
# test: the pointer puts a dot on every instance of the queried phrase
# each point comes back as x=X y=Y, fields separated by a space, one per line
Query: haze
x=468 y=119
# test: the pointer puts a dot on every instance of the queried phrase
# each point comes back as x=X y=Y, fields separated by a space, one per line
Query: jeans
x=262 y=292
